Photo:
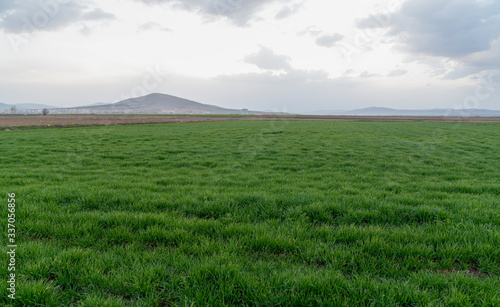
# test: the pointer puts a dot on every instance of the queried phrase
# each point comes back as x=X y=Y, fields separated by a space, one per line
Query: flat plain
x=80 y=120
x=274 y=212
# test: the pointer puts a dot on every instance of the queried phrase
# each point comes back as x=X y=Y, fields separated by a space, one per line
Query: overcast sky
x=281 y=55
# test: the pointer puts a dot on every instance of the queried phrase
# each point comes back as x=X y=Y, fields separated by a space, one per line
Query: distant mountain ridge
x=157 y=103
x=24 y=106
x=379 y=111
x=94 y=105
x=163 y=103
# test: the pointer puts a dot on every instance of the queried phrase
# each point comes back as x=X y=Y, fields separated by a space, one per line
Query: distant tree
x=45 y=111
x=13 y=109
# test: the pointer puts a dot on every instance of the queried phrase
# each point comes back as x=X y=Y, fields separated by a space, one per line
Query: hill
x=162 y=103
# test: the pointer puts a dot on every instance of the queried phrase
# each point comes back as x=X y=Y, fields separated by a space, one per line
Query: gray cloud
x=5 y=5
x=30 y=15
x=287 y=11
x=284 y=13
x=240 y=12
x=486 y=59
x=328 y=40
x=265 y=58
x=442 y=27
x=463 y=30
x=397 y=73
x=365 y=74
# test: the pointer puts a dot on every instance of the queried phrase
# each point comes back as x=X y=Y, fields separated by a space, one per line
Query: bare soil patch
x=473 y=271
x=63 y=121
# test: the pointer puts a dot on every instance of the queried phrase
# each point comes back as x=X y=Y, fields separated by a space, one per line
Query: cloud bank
x=239 y=12
x=467 y=31
x=46 y=15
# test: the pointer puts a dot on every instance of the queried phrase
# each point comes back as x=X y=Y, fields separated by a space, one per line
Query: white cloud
x=329 y=40
x=265 y=58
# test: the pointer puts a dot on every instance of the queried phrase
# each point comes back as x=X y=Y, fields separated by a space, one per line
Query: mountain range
x=377 y=111
x=157 y=103
x=24 y=106
x=162 y=103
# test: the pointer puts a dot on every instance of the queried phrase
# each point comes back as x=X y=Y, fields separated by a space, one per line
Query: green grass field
x=254 y=213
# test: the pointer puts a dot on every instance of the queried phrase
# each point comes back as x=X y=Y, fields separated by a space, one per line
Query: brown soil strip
x=90 y=120
x=39 y=121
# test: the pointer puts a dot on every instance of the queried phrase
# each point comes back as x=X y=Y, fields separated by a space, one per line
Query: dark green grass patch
x=255 y=213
